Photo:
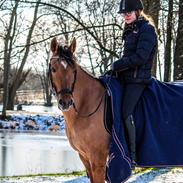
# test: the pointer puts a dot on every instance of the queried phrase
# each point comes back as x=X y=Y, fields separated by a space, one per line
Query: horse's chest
x=78 y=140
x=74 y=139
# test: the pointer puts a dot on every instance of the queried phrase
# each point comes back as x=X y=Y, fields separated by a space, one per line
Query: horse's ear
x=72 y=47
x=54 y=45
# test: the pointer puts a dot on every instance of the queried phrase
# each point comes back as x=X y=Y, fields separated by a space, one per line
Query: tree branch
x=78 y=21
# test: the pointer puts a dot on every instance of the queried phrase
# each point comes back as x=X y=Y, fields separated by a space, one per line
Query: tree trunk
x=12 y=92
x=152 y=8
x=48 y=99
x=7 y=55
x=89 y=54
x=10 y=105
x=167 y=65
x=47 y=91
x=178 y=56
x=2 y=2
x=16 y=83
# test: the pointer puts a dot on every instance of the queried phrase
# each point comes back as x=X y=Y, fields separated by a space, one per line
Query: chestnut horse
x=80 y=96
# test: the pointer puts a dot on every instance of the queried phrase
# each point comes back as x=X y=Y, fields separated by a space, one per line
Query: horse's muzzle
x=65 y=105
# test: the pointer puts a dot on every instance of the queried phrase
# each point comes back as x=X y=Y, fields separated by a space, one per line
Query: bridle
x=63 y=91
x=70 y=91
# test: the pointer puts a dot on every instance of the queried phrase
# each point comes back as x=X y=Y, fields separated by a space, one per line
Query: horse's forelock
x=64 y=52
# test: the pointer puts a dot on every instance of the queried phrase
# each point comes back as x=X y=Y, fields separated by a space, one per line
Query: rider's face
x=129 y=17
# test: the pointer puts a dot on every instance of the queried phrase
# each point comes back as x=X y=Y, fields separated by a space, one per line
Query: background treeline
x=26 y=28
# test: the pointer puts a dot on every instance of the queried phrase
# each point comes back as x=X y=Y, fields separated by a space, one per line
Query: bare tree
x=152 y=7
x=80 y=23
x=2 y=2
x=102 y=13
x=12 y=54
x=7 y=55
x=21 y=75
x=168 y=48
x=178 y=56
x=43 y=74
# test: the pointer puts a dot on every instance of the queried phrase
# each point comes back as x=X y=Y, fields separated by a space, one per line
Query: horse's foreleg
x=87 y=166
x=98 y=173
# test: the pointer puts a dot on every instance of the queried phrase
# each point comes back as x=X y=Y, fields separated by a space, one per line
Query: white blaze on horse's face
x=61 y=60
x=65 y=64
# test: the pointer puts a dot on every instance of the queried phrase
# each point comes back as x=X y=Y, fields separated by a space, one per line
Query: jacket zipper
x=135 y=73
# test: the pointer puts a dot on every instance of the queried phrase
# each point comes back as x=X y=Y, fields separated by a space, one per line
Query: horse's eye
x=53 y=69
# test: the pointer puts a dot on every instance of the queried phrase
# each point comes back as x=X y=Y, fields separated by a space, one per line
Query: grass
x=143 y=170
x=82 y=173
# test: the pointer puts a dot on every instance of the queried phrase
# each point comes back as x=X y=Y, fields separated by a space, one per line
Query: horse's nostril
x=61 y=102
x=70 y=102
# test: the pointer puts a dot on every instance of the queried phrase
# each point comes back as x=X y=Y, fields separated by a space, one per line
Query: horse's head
x=62 y=73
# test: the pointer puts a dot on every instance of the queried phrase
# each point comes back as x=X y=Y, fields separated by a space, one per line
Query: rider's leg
x=132 y=93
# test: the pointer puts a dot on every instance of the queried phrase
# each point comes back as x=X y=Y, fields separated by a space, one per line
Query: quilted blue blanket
x=159 y=123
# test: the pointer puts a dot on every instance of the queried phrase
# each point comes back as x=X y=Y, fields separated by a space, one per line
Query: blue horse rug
x=159 y=129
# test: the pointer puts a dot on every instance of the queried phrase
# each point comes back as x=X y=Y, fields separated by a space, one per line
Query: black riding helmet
x=130 y=5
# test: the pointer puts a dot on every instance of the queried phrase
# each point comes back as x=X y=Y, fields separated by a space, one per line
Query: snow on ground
x=41 y=123
x=45 y=179
x=47 y=123
x=167 y=175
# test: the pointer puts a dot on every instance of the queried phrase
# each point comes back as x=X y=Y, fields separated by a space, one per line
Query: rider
x=134 y=67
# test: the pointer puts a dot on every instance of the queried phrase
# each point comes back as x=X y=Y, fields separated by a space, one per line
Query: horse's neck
x=87 y=93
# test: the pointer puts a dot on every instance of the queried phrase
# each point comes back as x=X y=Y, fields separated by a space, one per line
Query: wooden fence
x=27 y=96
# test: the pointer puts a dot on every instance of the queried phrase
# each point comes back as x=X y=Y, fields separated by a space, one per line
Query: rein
x=90 y=114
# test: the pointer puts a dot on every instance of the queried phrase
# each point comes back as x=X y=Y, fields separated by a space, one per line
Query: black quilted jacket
x=140 y=44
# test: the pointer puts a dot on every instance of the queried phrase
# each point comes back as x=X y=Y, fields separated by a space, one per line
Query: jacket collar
x=133 y=26
x=139 y=22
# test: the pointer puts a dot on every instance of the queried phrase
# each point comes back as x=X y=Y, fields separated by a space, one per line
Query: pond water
x=37 y=108
x=30 y=153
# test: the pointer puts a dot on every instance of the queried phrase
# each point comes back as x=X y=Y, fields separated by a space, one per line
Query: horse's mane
x=88 y=72
x=71 y=59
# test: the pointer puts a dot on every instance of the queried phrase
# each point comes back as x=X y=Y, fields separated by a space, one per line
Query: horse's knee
x=98 y=173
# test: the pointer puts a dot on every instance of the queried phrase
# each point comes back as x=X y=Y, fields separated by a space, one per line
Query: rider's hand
x=117 y=66
x=109 y=72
